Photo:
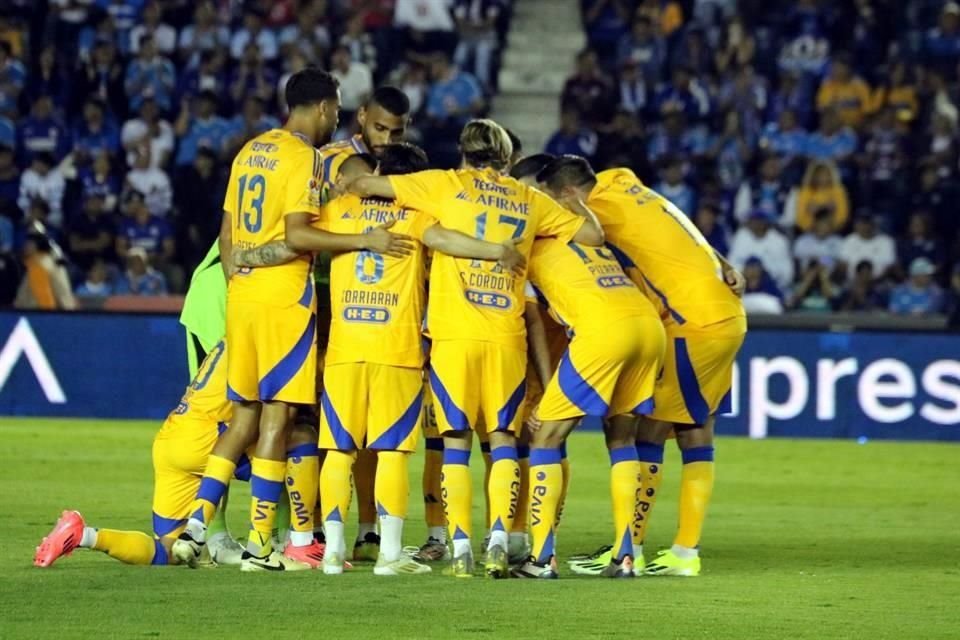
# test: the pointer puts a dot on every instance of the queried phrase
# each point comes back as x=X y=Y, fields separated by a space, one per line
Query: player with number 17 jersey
x=271 y=324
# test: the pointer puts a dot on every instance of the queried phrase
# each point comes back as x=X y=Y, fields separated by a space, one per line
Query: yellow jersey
x=678 y=269
x=585 y=287
x=205 y=399
x=474 y=299
x=273 y=175
x=376 y=301
x=332 y=157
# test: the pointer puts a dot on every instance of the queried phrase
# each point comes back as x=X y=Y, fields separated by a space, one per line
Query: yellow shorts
x=609 y=373
x=697 y=370
x=370 y=406
x=273 y=352
x=477 y=383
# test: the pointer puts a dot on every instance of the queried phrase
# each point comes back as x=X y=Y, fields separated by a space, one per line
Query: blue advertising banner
x=795 y=383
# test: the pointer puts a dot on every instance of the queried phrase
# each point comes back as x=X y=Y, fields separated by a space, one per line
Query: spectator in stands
x=732 y=151
x=99 y=179
x=203 y=35
x=815 y=291
x=143 y=230
x=412 y=79
x=738 y=47
x=920 y=242
x=572 y=137
x=606 y=22
x=102 y=77
x=759 y=238
x=936 y=196
x=46 y=285
x=152 y=26
x=43 y=132
x=92 y=234
x=768 y=192
x=820 y=244
x=881 y=163
x=96 y=133
x=785 y=139
x=97 y=283
x=455 y=95
x=898 y=93
x=588 y=89
x=149 y=75
x=253 y=32
x=868 y=243
x=686 y=94
x=710 y=224
x=942 y=43
x=49 y=78
x=674 y=188
x=644 y=48
x=844 y=92
x=204 y=128
x=622 y=144
x=198 y=190
x=673 y=137
x=762 y=295
x=919 y=295
x=251 y=122
x=151 y=182
x=427 y=27
x=356 y=83
x=44 y=181
x=11 y=274
x=822 y=190
x=476 y=25
x=310 y=36
x=148 y=129
x=140 y=279
x=833 y=140
x=9 y=184
x=209 y=74
x=747 y=94
x=666 y=14
x=941 y=143
x=863 y=293
x=252 y=77
x=13 y=78
x=633 y=89
x=359 y=42
x=692 y=52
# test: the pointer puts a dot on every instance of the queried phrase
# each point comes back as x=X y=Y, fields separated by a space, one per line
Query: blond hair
x=484 y=143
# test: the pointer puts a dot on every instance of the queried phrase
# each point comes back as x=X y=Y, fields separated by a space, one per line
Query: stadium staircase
x=544 y=37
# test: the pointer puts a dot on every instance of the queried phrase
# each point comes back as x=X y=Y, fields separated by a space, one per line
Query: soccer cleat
x=61 y=541
x=495 y=563
x=432 y=551
x=224 y=550
x=537 y=570
x=274 y=561
x=404 y=565
x=311 y=554
x=188 y=551
x=580 y=557
x=367 y=549
x=622 y=569
x=593 y=566
x=333 y=563
x=518 y=548
x=670 y=564
x=461 y=566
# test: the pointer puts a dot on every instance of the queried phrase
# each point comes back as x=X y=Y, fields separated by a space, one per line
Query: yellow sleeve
x=417 y=224
x=423 y=190
x=555 y=221
x=303 y=185
x=230 y=203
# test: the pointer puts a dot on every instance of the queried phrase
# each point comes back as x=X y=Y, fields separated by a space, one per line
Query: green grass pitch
x=806 y=539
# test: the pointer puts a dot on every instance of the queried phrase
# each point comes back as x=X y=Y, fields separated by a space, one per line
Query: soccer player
x=475 y=317
x=273 y=194
x=704 y=320
x=382 y=120
x=181 y=452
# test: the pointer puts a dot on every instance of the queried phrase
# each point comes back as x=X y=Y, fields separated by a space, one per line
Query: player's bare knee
x=692 y=436
x=457 y=440
x=502 y=439
x=301 y=434
x=655 y=431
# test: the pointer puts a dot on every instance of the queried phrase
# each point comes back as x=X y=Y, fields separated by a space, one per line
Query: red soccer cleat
x=64 y=538
x=311 y=555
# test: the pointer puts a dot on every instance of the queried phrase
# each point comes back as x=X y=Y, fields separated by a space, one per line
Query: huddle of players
x=481 y=226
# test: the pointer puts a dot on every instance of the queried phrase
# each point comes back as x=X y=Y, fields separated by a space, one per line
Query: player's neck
x=302 y=128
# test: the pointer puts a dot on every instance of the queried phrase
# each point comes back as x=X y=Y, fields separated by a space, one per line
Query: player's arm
x=302 y=237
x=731 y=276
x=537 y=347
x=225 y=242
x=460 y=245
x=368 y=187
x=266 y=255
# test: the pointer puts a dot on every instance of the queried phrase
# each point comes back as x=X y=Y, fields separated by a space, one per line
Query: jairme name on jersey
x=256 y=161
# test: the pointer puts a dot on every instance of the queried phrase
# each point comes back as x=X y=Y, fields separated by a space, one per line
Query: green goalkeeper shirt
x=205 y=305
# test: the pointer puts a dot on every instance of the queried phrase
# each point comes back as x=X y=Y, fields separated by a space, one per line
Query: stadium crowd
x=118 y=118
x=814 y=142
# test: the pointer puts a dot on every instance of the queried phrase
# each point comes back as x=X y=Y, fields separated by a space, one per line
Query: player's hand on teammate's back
x=511 y=259
x=381 y=240
x=736 y=281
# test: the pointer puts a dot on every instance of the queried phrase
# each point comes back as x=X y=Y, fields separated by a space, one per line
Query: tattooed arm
x=266 y=255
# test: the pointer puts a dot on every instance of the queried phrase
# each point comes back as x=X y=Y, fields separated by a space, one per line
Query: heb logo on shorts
x=488 y=299
x=609 y=282
x=371 y=315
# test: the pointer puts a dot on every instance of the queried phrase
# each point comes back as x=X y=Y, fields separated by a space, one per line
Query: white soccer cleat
x=189 y=551
x=404 y=565
x=275 y=561
x=224 y=550
x=333 y=563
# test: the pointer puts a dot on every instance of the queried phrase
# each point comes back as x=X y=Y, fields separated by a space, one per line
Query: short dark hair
x=531 y=165
x=392 y=99
x=515 y=141
x=367 y=159
x=401 y=158
x=567 y=171
x=308 y=87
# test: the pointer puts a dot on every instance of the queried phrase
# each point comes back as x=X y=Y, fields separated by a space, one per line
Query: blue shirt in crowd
x=92 y=142
x=207 y=133
x=462 y=89
x=155 y=79
x=835 y=147
x=909 y=300
x=149 y=236
x=46 y=135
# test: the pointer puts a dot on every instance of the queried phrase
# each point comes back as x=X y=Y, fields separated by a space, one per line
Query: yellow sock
x=213 y=485
x=624 y=484
x=303 y=483
x=336 y=493
x=432 y=465
x=565 y=463
x=266 y=487
x=364 y=477
x=651 y=475
x=132 y=547
x=521 y=515
x=546 y=483
x=696 y=487
x=457 y=492
x=502 y=489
